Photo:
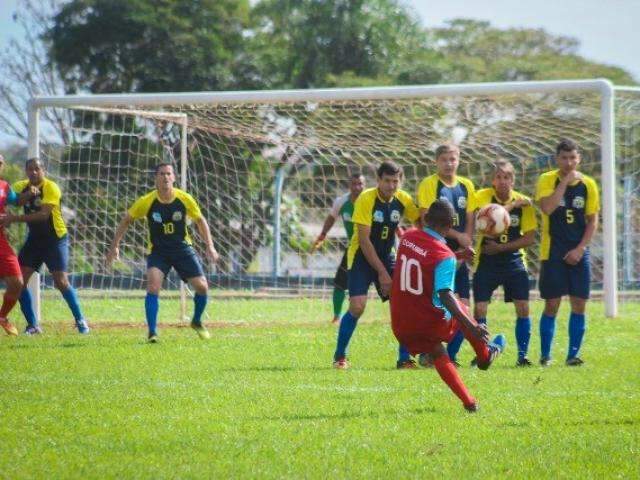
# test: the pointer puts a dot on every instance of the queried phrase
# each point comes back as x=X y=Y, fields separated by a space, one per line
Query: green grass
x=260 y=399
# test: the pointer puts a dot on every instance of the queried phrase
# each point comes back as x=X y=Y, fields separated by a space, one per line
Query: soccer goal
x=266 y=167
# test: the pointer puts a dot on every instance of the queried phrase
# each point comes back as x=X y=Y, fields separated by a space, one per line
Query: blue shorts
x=515 y=284
x=462 y=286
x=185 y=262
x=53 y=253
x=362 y=275
x=558 y=278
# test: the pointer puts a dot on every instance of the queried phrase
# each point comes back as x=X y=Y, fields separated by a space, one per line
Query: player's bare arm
x=448 y=299
x=550 y=203
x=519 y=203
x=114 y=252
x=27 y=195
x=574 y=256
x=40 y=216
x=328 y=223
x=491 y=247
x=205 y=233
x=370 y=254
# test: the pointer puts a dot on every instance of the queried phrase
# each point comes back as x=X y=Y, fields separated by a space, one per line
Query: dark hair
x=567 y=145
x=440 y=214
x=33 y=160
x=164 y=164
x=388 y=168
x=446 y=148
x=355 y=175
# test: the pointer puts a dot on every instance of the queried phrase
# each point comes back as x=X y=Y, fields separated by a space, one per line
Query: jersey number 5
x=167 y=228
x=409 y=264
x=570 y=217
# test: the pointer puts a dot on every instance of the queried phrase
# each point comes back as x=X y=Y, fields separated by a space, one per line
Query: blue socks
x=453 y=347
x=403 y=354
x=151 y=306
x=523 y=335
x=26 y=305
x=199 y=302
x=547 y=330
x=71 y=298
x=347 y=326
x=576 y=333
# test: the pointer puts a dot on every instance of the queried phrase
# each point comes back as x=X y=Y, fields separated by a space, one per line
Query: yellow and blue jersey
x=167 y=222
x=461 y=195
x=48 y=194
x=563 y=229
x=523 y=220
x=383 y=217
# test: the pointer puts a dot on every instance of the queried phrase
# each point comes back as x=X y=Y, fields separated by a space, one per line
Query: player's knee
x=356 y=308
x=200 y=286
x=61 y=283
x=522 y=309
x=578 y=305
x=14 y=286
x=551 y=307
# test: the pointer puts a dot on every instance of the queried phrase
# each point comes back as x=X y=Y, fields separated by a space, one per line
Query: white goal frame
x=603 y=88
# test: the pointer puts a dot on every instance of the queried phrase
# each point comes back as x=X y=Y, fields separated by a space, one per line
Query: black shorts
x=54 y=253
x=341 y=280
x=185 y=262
x=362 y=275
x=558 y=278
x=515 y=284
x=462 y=286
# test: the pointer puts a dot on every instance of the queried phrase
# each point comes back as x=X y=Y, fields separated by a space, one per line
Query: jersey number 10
x=168 y=228
x=409 y=264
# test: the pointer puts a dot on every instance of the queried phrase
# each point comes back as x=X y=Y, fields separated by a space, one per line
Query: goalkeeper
x=342 y=207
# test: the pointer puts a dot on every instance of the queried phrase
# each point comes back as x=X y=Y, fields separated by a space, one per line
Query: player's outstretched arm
x=40 y=216
x=328 y=223
x=205 y=233
x=114 y=253
x=450 y=302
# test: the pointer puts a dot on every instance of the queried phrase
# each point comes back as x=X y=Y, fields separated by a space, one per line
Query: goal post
x=346 y=129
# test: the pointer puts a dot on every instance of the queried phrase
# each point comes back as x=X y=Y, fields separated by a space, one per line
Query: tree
x=313 y=43
x=25 y=71
x=148 y=46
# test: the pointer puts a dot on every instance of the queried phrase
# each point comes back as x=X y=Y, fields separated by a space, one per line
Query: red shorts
x=423 y=337
x=9 y=266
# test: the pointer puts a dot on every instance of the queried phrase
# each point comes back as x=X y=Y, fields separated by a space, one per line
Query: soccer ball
x=492 y=220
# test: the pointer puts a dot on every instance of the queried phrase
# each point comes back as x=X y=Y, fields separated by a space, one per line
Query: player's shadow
x=343 y=415
x=41 y=346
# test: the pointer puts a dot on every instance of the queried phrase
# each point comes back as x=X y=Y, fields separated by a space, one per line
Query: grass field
x=260 y=400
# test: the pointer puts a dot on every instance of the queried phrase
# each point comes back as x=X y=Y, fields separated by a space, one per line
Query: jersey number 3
x=409 y=264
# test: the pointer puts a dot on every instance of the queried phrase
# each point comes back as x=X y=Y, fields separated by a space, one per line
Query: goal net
x=267 y=170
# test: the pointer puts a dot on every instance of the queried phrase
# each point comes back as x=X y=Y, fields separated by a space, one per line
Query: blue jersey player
x=370 y=257
x=502 y=260
x=459 y=191
x=166 y=210
x=569 y=201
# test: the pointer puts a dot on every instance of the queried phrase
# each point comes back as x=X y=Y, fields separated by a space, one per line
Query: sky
x=607 y=29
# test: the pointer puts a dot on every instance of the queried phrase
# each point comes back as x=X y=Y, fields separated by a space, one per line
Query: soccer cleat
x=152 y=338
x=545 y=361
x=341 y=364
x=574 y=362
x=8 y=327
x=472 y=408
x=406 y=364
x=474 y=362
x=425 y=360
x=83 y=328
x=496 y=347
x=32 y=330
x=523 y=362
x=200 y=329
